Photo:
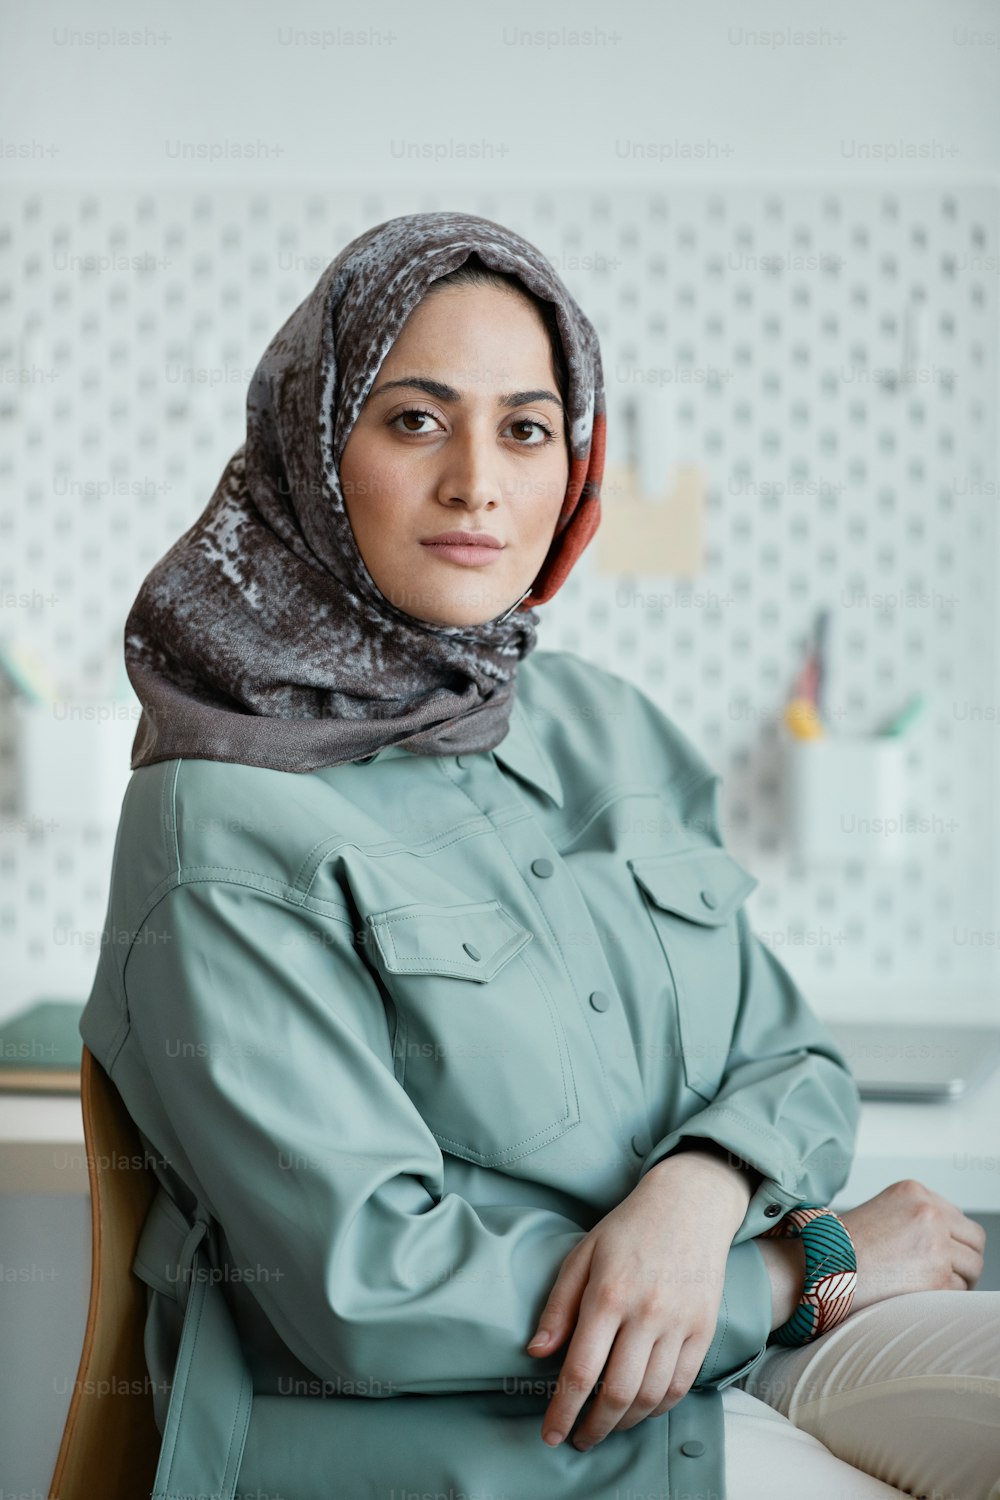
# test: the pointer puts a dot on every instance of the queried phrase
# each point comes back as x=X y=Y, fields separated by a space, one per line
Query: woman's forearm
x=786 y=1265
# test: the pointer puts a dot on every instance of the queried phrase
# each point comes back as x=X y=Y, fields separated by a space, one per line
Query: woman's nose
x=470 y=471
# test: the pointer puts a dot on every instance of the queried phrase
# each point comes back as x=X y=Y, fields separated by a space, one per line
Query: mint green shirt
x=398 y=1034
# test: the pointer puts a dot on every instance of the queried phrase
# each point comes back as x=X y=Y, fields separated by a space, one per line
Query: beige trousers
x=903 y=1398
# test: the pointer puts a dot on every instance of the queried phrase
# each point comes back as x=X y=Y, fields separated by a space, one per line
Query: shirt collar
x=523 y=753
x=520 y=751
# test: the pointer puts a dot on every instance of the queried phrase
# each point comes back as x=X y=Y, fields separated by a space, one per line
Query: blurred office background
x=783 y=221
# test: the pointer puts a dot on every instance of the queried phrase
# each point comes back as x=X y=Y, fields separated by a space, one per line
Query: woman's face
x=463 y=430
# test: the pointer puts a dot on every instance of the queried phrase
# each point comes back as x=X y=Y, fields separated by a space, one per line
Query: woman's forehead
x=465 y=346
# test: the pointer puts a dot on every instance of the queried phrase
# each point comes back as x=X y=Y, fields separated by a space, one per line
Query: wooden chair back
x=110 y=1443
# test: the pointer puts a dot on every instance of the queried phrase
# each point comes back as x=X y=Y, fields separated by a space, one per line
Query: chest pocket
x=693 y=898
x=479 y=1045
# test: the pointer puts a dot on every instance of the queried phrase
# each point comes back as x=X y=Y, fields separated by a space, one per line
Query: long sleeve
x=786 y=1104
x=261 y=1067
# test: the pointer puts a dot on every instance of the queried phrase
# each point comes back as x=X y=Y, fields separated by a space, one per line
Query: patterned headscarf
x=260 y=636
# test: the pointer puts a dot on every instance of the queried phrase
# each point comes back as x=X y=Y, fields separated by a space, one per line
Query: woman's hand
x=643 y=1290
x=910 y=1239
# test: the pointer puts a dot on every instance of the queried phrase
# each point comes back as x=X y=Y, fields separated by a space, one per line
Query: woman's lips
x=468 y=557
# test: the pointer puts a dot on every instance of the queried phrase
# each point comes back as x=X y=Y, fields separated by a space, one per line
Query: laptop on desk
x=916 y=1062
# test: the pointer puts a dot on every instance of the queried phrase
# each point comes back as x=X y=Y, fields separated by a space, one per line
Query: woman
x=440 y=1011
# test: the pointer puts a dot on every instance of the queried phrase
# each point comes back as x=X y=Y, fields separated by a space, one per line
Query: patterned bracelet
x=831 y=1272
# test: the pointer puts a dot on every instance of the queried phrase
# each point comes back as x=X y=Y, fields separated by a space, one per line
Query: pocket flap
x=470 y=941
x=703 y=885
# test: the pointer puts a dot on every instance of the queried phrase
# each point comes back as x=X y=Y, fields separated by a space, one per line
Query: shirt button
x=710 y=901
x=471 y=951
x=543 y=868
x=460 y=763
x=692 y=1448
x=772 y=1210
x=639 y=1145
x=599 y=1000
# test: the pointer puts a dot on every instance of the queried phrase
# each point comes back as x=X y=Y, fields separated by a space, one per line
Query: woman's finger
x=970 y=1232
x=689 y=1362
x=624 y=1383
x=585 y=1359
x=966 y=1263
x=562 y=1307
x=663 y=1360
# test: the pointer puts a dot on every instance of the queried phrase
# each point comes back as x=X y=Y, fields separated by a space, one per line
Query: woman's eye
x=546 y=432
x=414 y=412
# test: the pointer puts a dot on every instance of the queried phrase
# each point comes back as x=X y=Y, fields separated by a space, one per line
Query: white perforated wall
x=775 y=320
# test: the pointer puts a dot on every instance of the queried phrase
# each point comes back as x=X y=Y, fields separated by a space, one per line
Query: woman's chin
x=461 y=606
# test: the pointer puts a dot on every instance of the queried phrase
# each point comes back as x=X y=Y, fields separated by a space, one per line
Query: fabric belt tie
x=212 y=1391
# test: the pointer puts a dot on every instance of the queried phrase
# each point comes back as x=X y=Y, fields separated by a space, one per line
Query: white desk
x=41 y=1144
x=952 y=1147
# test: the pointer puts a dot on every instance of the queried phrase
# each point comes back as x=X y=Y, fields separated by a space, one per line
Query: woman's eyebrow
x=443 y=392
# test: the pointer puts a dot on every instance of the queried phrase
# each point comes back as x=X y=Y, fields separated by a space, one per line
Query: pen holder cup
x=844 y=797
x=74 y=760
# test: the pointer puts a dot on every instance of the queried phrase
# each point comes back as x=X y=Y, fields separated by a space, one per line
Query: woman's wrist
x=701 y=1145
x=712 y=1165
x=785 y=1260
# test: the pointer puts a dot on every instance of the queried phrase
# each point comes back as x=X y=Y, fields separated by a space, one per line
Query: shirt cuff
x=744 y=1321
